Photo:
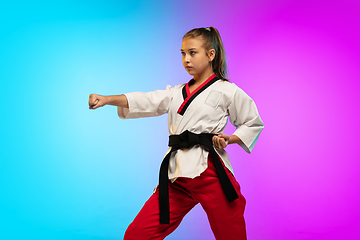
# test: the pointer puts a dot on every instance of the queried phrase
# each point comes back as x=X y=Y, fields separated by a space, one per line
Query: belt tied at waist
x=187 y=140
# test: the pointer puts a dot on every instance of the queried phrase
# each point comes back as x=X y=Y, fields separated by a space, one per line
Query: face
x=195 y=58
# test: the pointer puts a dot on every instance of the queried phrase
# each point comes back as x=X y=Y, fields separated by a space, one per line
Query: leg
x=147 y=225
x=226 y=219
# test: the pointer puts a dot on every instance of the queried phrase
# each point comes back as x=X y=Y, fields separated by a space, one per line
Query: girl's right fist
x=96 y=101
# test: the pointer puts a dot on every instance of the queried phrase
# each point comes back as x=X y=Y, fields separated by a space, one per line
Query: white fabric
x=207 y=113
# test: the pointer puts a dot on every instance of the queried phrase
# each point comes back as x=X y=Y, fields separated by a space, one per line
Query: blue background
x=69 y=172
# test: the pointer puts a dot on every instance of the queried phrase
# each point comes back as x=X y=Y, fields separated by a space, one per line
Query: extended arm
x=136 y=104
x=96 y=101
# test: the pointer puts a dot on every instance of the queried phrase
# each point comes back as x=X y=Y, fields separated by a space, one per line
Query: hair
x=212 y=40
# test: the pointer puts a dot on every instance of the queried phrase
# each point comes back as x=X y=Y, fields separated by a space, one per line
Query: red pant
x=226 y=219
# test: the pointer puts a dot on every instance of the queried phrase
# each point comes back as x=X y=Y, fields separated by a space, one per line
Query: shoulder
x=233 y=93
x=179 y=86
x=226 y=87
x=226 y=84
x=232 y=88
x=174 y=88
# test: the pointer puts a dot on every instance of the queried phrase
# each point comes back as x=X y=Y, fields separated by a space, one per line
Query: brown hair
x=212 y=40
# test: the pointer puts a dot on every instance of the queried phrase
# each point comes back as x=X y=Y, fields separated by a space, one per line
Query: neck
x=199 y=79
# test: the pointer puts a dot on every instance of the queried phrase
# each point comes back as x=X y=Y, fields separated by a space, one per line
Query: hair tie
x=208 y=28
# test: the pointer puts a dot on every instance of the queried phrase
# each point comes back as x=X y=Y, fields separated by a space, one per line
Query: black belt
x=187 y=140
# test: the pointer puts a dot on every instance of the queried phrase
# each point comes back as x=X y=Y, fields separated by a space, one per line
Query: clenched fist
x=220 y=141
x=96 y=101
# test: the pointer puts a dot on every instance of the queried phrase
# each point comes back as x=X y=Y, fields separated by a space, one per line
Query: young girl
x=196 y=168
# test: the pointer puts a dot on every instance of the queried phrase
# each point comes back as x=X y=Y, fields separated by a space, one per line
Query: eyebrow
x=189 y=49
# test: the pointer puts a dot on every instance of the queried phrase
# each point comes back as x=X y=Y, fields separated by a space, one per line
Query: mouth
x=187 y=67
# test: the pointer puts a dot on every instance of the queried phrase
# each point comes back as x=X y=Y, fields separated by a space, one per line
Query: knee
x=137 y=231
x=130 y=233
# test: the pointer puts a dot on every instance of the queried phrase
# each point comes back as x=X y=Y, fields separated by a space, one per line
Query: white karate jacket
x=208 y=112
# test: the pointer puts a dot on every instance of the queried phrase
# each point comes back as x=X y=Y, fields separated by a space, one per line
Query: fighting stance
x=196 y=168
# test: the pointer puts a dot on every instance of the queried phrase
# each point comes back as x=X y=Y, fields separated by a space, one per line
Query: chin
x=190 y=72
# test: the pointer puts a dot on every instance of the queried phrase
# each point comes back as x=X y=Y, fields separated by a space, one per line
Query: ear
x=211 y=54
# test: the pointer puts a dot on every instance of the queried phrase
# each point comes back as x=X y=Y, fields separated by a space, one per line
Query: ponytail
x=212 y=40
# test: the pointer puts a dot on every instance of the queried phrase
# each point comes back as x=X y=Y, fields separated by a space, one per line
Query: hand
x=96 y=101
x=220 y=141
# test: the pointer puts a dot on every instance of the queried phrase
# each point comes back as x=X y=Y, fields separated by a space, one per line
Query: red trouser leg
x=226 y=219
x=147 y=225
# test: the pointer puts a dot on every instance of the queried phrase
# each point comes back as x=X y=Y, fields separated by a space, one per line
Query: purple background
x=299 y=61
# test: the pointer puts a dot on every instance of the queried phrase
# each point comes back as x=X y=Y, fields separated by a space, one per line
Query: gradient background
x=68 y=172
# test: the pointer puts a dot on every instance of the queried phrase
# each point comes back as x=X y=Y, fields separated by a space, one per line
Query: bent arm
x=245 y=117
x=234 y=139
x=222 y=140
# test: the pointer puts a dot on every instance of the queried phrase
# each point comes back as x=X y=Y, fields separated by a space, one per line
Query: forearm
x=234 y=139
x=117 y=100
x=222 y=140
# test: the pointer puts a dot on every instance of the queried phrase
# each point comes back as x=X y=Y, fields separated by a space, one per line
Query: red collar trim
x=193 y=92
x=198 y=88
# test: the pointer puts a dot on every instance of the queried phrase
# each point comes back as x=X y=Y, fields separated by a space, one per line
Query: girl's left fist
x=220 y=141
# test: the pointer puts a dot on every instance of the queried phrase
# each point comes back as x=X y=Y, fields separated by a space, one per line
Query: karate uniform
x=205 y=110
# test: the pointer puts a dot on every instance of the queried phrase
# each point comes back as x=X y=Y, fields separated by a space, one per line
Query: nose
x=187 y=58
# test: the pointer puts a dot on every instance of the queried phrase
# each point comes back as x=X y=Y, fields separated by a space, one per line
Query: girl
x=196 y=168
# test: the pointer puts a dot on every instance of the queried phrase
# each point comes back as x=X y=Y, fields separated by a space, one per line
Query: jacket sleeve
x=245 y=117
x=146 y=104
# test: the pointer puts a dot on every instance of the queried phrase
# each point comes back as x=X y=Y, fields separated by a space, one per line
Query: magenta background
x=299 y=61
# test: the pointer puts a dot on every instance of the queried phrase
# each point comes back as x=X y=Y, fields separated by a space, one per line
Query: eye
x=183 y=53
x=192 y=52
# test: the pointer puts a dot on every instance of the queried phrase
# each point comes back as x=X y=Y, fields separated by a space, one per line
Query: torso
x=207 y=113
